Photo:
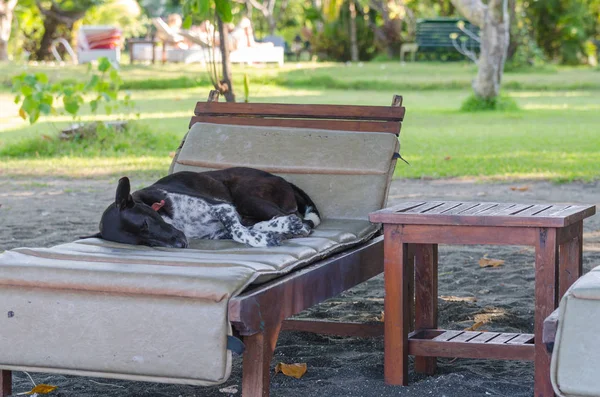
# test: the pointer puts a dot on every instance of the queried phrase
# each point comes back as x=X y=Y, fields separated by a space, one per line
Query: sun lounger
x=96 y=308
x=94 y=42
x=571 y=332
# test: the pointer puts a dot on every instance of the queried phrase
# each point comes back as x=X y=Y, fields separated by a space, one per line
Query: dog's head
x=131 y=222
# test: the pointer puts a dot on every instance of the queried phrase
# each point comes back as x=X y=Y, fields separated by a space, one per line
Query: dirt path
x=44 y=212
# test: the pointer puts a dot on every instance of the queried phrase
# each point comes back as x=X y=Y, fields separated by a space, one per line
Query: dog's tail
x=306 y=207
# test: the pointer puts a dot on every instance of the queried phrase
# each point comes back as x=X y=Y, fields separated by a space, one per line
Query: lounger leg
x=256 y=375
x=546 y=268
x=570 y=263
x=426 y=308
x=397 y=309
x=5 y=383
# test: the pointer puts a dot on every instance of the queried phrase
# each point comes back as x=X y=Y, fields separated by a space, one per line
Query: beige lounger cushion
x=575 y=366
x=99 y=308
x=347 y=174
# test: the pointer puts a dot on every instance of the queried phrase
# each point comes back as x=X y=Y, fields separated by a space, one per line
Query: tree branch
x=473 y=10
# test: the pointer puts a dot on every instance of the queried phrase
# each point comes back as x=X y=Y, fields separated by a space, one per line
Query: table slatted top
x=468 y=213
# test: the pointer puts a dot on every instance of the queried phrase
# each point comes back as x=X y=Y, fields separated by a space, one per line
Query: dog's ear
x=123 y=199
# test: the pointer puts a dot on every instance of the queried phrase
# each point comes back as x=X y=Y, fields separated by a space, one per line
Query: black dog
x=244 y=204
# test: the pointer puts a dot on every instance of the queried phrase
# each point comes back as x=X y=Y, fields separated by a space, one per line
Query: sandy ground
x=44 y=212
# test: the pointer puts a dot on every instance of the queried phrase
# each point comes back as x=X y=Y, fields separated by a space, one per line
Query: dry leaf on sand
x=519 y=188
x=458 y=298
x=229 y=389
x=474 y=326
x=40 y=389
x=488 y=262
x=293 y=370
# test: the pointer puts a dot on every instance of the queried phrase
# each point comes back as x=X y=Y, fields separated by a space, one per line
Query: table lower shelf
x=471 y=344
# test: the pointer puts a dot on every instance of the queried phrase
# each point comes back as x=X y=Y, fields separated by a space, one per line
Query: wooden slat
x=448 y=335
x=502 y=338
x=403 y=206
x=482 y=207
x=555 y=209
x=514 y=209
x=392 y=127
x=324 y=327
x=443 y=207
x=484 y=337
x=533 y=210
x=498 y=209
x=378 y=113
x=425 y=347
x=466 y=336
x=460 y=208
x=426 y=207
x=521 y=339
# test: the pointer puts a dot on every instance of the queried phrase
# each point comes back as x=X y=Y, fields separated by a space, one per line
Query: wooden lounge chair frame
x=260 y=313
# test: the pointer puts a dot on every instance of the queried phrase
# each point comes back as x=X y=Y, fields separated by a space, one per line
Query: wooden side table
x=412 y=232
x=132 y=42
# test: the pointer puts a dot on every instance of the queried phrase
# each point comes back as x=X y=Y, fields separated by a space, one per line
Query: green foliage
x=333 y=42
x=124 y=14
x=500 y=103
x=561 y=27
x=38 y=96
x=202 y=9
x=106 y=142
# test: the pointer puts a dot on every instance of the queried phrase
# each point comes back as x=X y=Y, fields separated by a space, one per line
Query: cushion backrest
x=342 y=156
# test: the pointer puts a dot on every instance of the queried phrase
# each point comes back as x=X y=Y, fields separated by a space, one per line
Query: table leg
x=570 y=262
x=546 y=268
x=5 y=383
x=426 y=298
x=396 y=302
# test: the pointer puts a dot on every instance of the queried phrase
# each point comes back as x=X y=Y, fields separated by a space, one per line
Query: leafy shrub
x=37 y=96
x=106 y=141
x=501 y=103
x=333 y=42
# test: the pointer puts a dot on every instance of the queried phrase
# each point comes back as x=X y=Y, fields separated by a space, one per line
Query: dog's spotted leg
x=288 y=226
x=230 y=218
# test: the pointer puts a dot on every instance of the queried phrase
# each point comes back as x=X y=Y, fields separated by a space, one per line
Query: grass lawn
x=554 y=136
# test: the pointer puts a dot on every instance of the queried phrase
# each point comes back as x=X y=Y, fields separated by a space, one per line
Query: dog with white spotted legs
x=247 y=205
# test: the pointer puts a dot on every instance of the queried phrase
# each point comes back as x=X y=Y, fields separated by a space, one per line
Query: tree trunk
x=226 y=84
x=353 y=39
x=494 y=22
x=6 y=16
x=50 y=25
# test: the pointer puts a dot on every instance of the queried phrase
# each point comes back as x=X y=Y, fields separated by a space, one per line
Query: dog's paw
x=274 y=239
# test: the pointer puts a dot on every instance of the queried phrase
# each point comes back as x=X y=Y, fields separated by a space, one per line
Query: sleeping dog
x=244 y=204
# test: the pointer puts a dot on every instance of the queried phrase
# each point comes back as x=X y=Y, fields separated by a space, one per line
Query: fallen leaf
x=382 y=318
x=519 y=188
x=475 y=326
x=46 y=137
x=489 y=315
x=171 y=154
x=229 y=389
x=459 y=298
x=40 y=389
x=293 y=370
x=448 y=158
x=488 y=262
